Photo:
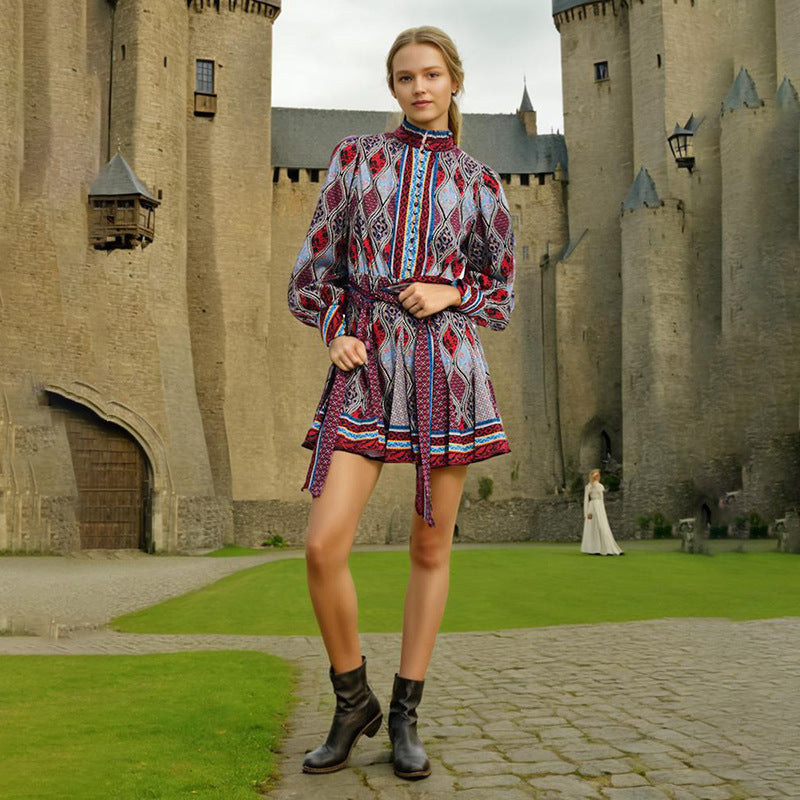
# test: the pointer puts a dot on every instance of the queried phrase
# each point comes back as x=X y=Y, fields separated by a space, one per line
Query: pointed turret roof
x=643 y=193
x=742 y=93
x=117 y=178
x=565 y=5
x=526 y=104
x=786 y=96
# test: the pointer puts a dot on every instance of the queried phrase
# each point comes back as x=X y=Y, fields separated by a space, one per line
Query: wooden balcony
x=205 y=105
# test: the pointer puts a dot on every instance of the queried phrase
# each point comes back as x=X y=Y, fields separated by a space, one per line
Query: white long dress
x=597 y=536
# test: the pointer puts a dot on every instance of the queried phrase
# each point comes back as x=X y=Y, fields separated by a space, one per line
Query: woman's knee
x=429 y=549
x=324 y=554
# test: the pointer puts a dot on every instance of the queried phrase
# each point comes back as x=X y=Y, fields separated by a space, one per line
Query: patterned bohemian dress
x=397 y=208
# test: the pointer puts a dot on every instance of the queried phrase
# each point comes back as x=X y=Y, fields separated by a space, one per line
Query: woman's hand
x=588 y=516
x=426 y=299
x=347 y=352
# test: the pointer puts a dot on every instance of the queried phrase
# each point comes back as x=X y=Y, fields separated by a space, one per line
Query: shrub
x=643 y=523
x=274 y=541
x=662 y=529
x=576 y=485
x=718 y=532
x=612 y=482
x=758 y=529
x=485 y=487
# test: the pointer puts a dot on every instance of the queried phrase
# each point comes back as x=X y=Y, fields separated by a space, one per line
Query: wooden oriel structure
x=121 y=208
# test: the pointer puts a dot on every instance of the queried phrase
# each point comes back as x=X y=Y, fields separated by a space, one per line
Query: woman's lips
x=422 y=103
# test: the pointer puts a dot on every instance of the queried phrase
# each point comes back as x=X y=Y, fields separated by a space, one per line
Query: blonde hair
x=594 y=472
x=427 y=34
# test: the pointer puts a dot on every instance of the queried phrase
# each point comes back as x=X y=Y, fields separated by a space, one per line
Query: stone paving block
x=609 y=766
x=568 y=785
x=542 y=768
x=626 y=779
x=658 y=761
x=504 y=793
x=682 y=777
x=636 y=793
x=528 y=753
x=489 y=782
x=586 y=751
x=451 y=732
x=643 y=746
x=559 y=734
x=453 y=758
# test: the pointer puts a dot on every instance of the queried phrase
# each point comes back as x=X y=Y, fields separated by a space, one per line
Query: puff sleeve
x=320 y=276
x=487 y=286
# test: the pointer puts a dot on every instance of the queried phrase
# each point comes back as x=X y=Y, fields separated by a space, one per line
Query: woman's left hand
x=426 y=299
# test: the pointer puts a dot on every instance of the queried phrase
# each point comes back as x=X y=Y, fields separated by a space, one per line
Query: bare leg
x=331 y=530
x=429 y=580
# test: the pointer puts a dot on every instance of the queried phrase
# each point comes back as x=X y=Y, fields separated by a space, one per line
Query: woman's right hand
x=588 y=516
x=347 y=352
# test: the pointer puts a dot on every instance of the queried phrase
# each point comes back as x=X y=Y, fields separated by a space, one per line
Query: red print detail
x=507 y=265
x=450 y=340
x=490 y=181
x=484 y=281
x=501 y=223
x=347 y=154
x=319 y=241
x=494 y=313
x=459 y=179
x=377 y=162
x=379 y=333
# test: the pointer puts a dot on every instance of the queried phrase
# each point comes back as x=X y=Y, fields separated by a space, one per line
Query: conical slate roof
x=564 y=5
x=526 y=104
x=742 y=93
x=117 y=178
x=787 y=95
x=643 y=193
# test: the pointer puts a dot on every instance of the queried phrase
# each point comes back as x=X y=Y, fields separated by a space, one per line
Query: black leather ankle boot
x=357 y=711
x=408 y=754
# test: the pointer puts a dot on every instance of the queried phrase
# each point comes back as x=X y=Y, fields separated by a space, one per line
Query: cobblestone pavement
x=699 y=709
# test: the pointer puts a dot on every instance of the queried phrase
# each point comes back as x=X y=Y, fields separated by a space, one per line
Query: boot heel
x=374 y=726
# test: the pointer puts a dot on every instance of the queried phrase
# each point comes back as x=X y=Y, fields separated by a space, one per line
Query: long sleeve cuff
x=471 y=298
x=331 y=324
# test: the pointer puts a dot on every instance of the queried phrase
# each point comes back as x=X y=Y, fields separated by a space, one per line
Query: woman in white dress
x=597 y=536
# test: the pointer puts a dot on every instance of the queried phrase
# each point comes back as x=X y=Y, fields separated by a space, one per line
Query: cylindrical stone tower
x=598 y=129
x=230 y=194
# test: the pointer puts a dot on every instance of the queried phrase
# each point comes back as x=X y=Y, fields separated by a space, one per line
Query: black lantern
x=681 y=142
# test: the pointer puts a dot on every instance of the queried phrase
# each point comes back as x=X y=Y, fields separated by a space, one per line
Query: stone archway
x=112 y=478
x=160 y=504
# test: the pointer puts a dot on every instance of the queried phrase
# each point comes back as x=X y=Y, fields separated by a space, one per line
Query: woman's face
x=422 y=85
x=594 y=477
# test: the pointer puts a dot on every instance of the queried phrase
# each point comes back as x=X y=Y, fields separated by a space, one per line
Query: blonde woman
x=409 y=250
x=597 y=536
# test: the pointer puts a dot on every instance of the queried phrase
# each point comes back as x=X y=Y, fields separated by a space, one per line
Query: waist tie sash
x=362 y=297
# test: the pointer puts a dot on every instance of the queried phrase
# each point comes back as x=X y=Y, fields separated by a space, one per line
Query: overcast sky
x=330 y=53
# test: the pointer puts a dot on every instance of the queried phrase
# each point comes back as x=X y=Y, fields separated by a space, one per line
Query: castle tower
x=787 y=29
x=148 y=122
x=658 y=395
x=230 y=191
x=11 y=121
x=598 y=130
x=761 y=300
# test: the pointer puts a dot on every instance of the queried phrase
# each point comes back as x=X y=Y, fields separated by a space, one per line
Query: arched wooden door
x=112 y=477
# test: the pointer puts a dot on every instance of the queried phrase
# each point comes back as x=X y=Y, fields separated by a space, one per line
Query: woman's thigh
x=335 y=513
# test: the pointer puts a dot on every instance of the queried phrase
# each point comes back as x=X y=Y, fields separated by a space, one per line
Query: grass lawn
x=200 y=725
x=503 y=587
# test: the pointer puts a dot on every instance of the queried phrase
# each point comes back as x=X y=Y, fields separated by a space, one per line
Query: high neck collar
x=419 y=137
